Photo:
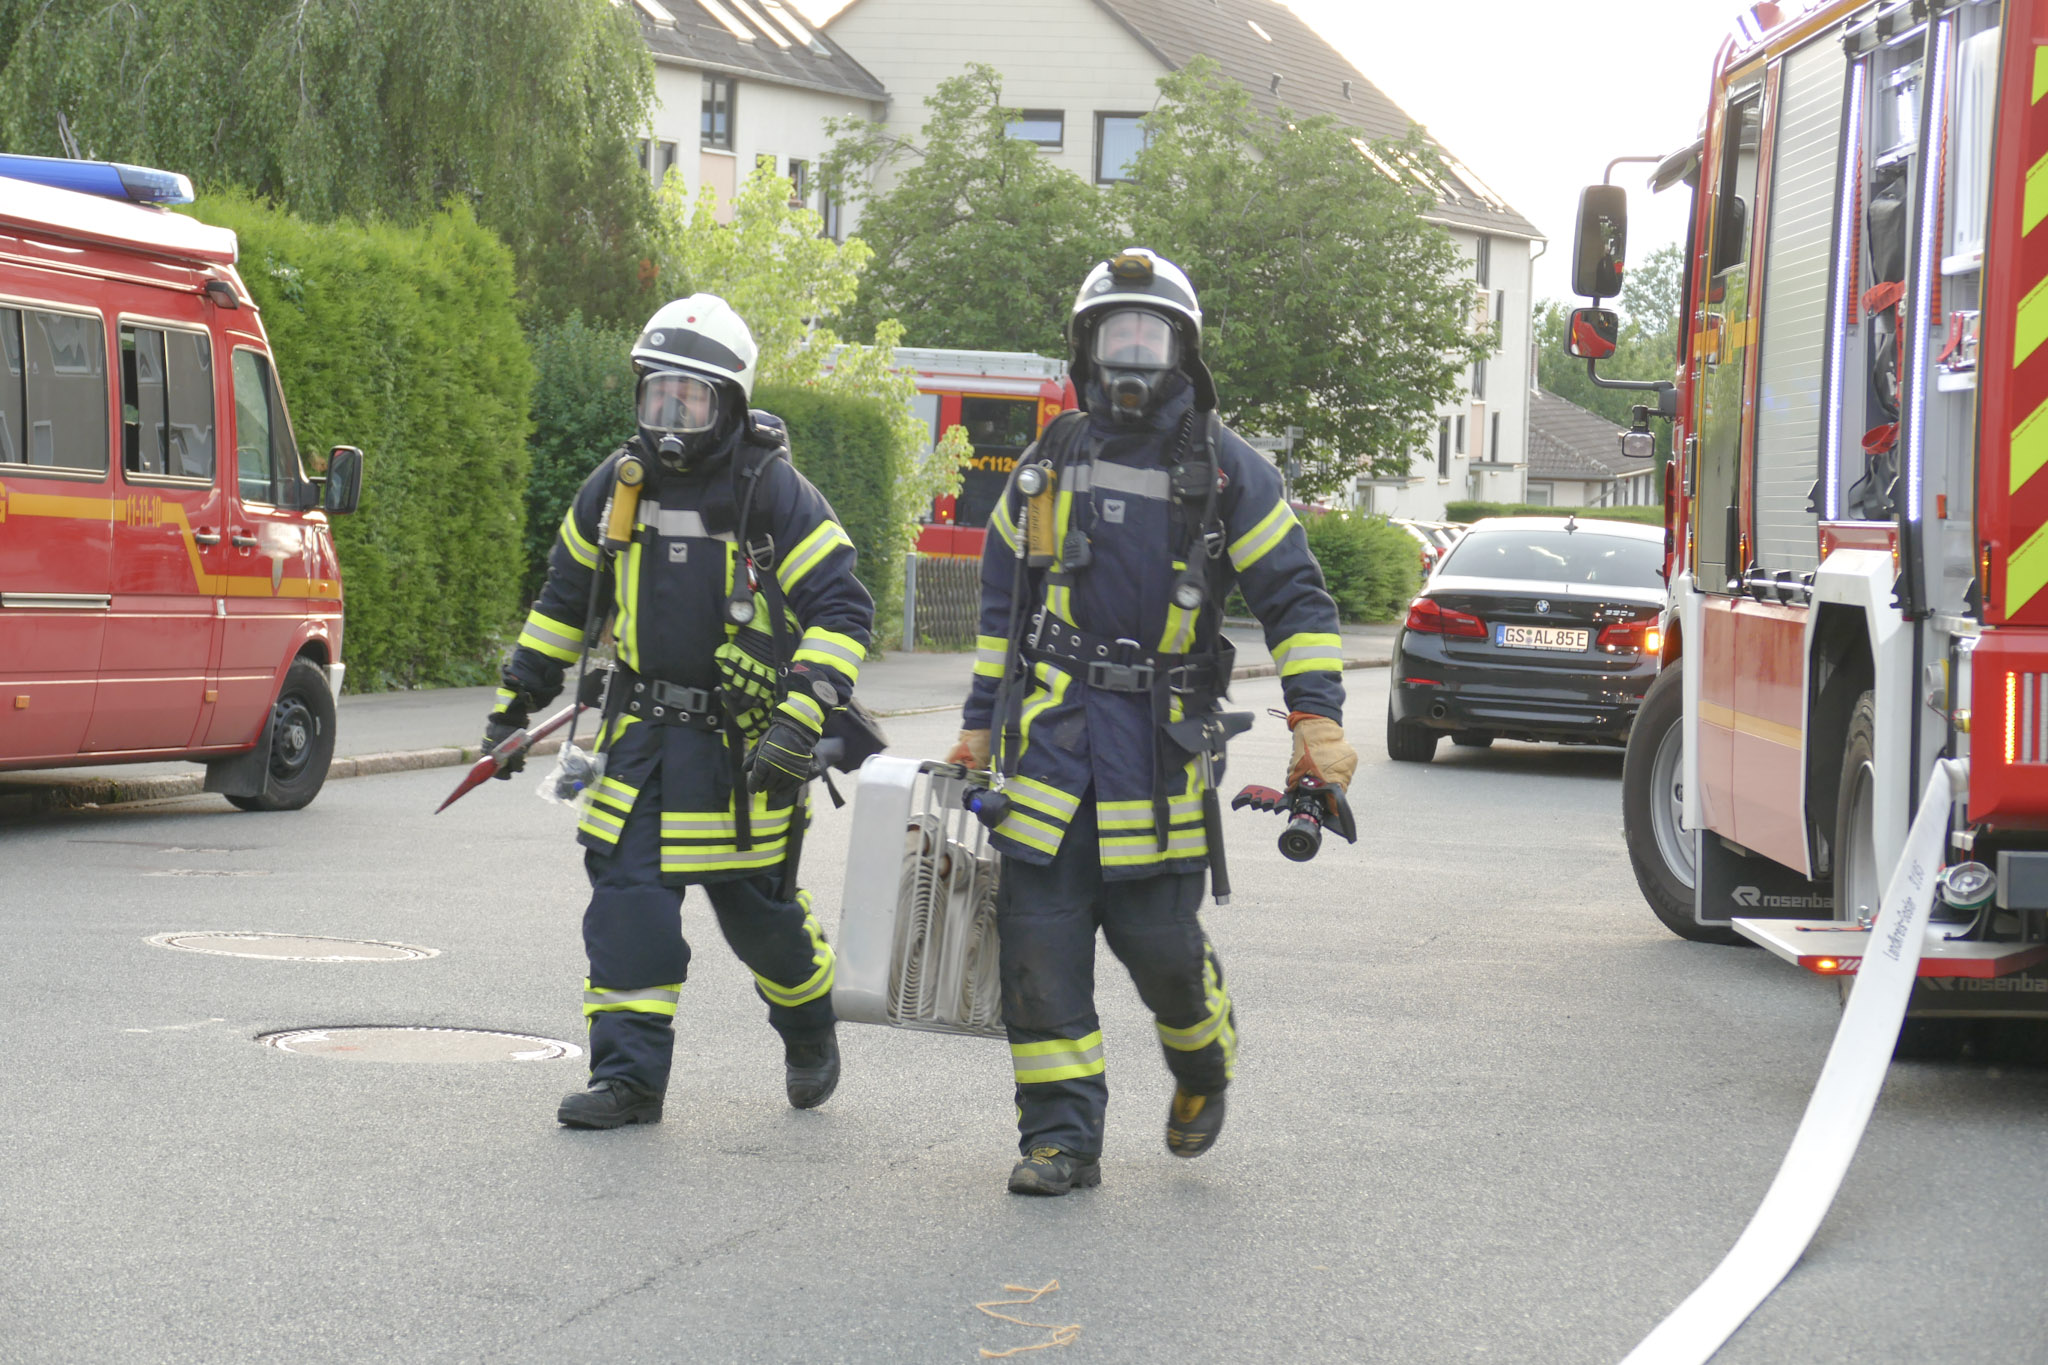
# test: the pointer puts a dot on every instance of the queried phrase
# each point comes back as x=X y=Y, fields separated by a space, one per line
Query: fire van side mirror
x=344 y=482
x=1601 y=244
x=1593 y=334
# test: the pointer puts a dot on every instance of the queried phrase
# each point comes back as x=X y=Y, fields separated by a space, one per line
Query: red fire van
x=168 y=583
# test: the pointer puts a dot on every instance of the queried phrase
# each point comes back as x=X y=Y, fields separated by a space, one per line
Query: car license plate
x=1539 y=637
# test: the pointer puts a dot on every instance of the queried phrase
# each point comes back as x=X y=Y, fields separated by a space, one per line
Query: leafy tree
x=979 y=241
x=1329 y=303
x=527 y=109
x=1647 y=347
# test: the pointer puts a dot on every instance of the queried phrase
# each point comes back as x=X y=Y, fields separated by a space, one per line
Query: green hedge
x=583 y=410
x=1466 y=511
x=406 y=342
x=1372 y=567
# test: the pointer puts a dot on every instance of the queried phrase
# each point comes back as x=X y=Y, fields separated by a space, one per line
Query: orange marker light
x=1826 y=964
x=1653 y=640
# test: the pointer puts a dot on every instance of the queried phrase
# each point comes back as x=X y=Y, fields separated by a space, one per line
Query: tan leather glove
x=971 y=749
x=1320 y=750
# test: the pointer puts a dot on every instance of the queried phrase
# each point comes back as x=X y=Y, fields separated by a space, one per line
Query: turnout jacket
x=665 y=599
x=1115 y=490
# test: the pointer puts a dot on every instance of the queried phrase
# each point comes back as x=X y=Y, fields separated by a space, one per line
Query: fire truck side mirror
x=1592 y=334
x=1601 y=244
x=344 y=481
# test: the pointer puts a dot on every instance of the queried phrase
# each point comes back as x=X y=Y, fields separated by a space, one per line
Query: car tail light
x=1640 y=634
x=1425 y=615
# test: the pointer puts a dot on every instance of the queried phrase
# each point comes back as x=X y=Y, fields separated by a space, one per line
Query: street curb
x=18 y=799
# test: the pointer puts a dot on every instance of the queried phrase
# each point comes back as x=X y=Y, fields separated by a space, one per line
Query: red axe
x=512 y=746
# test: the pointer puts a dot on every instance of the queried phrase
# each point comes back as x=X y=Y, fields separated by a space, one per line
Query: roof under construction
x=766 y=40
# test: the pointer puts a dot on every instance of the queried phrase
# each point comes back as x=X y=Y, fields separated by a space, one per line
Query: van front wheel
x=301 y=741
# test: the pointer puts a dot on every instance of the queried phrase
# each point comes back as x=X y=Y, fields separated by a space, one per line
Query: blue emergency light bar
x=108 y=179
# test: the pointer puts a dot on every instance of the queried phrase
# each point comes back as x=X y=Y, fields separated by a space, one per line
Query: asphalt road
x=1486 y=1110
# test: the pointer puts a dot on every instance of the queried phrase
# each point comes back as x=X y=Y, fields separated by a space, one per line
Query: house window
x=1493 y=439
x=1459 y=444
x=1500 y=308
x=828 y=211
x=1443 y=449
x=1479 y=379
x=1046 y=127
x=799 y=182
x=716 y=127
x=1118 y=140
x=1482 y=260
x=1537 y=495
x=657 y=159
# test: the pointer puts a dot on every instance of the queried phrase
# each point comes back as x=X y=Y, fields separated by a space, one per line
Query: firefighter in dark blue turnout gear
x=740 y=629
x=1103 y=581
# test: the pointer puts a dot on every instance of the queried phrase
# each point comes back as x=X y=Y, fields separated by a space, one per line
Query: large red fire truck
x=1003 y=399
x=1857 y=505
x=168 y=583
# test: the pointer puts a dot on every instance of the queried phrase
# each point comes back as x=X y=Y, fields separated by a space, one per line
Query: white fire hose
x=1839 y=1111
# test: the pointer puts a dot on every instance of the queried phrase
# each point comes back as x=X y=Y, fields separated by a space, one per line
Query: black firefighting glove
x=499 y=728
x=747 y=685
x=782 y=762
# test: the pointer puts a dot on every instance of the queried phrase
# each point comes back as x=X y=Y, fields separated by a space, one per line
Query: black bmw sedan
x=1540 y=628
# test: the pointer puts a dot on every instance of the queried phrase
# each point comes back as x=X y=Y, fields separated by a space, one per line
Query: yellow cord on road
x=1061 y=1336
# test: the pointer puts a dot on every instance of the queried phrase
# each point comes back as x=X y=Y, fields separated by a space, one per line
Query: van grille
x=2026 y=718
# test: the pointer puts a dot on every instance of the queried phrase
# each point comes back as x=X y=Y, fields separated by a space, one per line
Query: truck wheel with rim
x=1408 y=742
x=1660 y=847
x=1859 y=881
x=301 y=741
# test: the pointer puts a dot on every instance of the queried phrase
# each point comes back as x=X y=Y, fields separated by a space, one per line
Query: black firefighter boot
x=1048 y=1170
x=609 y=1104
x=810 y=1069
x=1193 y=1122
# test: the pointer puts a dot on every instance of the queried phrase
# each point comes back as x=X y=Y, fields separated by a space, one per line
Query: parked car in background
x=168 y=582
x=1537 y=628
x=1434 y=539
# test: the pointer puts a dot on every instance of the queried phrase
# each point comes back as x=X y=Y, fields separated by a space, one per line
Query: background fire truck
x=1003 y=399
x=1858 y=504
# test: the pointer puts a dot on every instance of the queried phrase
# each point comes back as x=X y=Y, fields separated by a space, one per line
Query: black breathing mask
x=1134 y=350
x=680 y=416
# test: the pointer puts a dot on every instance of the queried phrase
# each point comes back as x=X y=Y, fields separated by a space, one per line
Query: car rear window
x=1559 y=556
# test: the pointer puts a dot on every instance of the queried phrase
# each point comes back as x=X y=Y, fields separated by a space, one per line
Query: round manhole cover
x=418 y=1043
x=295 y=947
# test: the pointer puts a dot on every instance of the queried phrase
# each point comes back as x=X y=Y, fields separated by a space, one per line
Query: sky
x=1536 y=98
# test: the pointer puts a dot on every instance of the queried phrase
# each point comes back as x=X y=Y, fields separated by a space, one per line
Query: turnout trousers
x=1047 y=918
x=633 y=935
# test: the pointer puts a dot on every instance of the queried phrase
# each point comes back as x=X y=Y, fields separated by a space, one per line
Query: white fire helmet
x=1139 y=276
x=702 y=335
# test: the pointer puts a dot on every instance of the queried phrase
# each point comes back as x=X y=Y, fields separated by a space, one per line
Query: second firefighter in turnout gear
x=1103 y=579
x=740 y=628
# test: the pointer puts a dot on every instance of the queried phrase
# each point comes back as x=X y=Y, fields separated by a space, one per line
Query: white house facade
x=741 y=82
x=1082 y=72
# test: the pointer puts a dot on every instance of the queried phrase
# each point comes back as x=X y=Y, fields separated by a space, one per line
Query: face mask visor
x=1136 y=339
x=673 y=404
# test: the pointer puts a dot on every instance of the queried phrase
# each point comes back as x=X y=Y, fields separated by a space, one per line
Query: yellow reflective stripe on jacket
x=626 y=628
x=990 y=651
x=1004 y=525
x=1254 y=544
x=809 y=553
x=1061 y=1059
x=556 y=639
x=819 y=982
x=580 y=550
x=702 y=826
x=803 y=708
x=840 y=653
x=1136 y=850
x=1029 y=831
x=1059 y=600
x=1213 y=1027
x=1179 y=634
x=648 y=1000
x=1043 y=797
x=682 y=862
x=601 y=824
x=1055 y=692
x=1138 y=814
x=1308 y=652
